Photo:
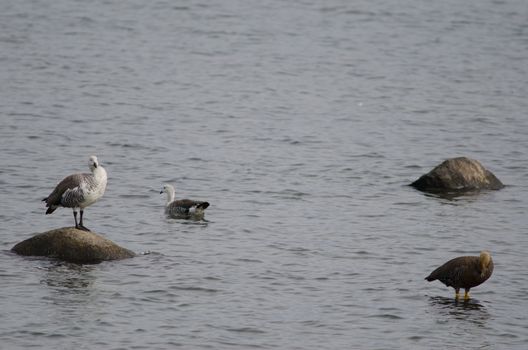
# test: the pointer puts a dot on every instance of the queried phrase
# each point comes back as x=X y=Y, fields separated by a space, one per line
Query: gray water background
x=301 y=122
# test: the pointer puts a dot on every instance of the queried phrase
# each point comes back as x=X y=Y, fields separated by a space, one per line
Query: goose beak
x=161 y=191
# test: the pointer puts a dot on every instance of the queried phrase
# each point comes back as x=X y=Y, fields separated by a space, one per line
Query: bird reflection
x=469 y=310
x=191 y=221
x=470 y=304
x=198 y=222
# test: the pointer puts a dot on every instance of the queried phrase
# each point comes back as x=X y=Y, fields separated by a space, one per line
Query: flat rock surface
x=72 y=245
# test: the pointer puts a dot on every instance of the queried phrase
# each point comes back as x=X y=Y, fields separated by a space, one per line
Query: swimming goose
x=182 y=208
x=464 y=272
x=78 y=191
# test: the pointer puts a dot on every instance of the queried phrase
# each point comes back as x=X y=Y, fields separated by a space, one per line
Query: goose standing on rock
x=464 y=272
x=182 y=208
x=78 y=191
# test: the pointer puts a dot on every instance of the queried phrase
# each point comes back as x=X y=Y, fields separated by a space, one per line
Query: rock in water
x=458 y=174
x=72 y=245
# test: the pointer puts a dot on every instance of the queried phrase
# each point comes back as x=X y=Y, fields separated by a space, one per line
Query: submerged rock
x=458 y=174
x=72 y=245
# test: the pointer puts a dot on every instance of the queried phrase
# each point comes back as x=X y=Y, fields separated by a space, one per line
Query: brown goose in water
x=464 y=272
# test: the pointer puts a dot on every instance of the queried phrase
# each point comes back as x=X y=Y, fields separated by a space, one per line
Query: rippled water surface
x=301 y=122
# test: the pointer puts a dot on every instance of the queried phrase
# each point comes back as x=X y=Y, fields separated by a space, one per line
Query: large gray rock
x=458 y=174
x=72 y=245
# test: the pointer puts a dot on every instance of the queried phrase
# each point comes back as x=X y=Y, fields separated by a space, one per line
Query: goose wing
x=185 y=206
x=456 y=271
x=69 y=193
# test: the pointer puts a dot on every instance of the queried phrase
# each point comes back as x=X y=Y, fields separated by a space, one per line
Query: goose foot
x=82 y=227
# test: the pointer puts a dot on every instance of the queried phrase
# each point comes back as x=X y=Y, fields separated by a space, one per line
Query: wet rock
x=72 y=245
x=458 y=174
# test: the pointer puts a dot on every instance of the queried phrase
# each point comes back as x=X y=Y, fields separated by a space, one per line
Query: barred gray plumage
x=78 y=191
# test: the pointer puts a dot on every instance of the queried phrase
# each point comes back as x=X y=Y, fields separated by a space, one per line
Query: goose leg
x=457 y=293
x=466 y=294
x=81 y=226
x=75 y=217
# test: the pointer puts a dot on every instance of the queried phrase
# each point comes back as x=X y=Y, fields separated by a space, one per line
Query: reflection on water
x=456 y=195
x=456 y=303
x=70 y=278
x=189 y=221
x=451 y=308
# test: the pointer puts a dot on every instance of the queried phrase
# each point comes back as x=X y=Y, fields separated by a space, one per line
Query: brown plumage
x=464 y=272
